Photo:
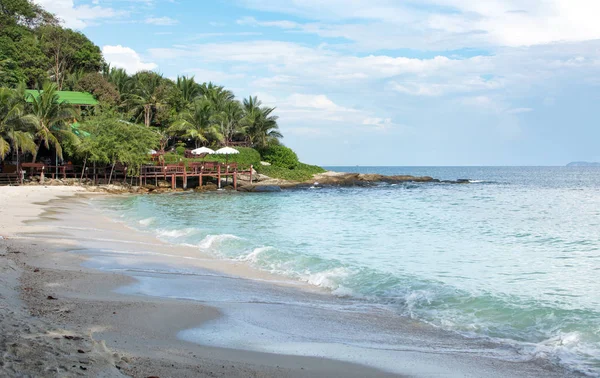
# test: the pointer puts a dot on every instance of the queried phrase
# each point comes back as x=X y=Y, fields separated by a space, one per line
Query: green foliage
x=35 y=49
x=112 y=140
x=180 y=150
x=50 y=119
x=68 y=51
x=97 y=85
x=302 y=172
x=15 y=131
x=280 y=156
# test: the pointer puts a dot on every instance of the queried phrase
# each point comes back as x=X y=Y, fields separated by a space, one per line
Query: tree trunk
x=147 y=110
x=83 y=169
x=111 y=172
x=37 y=149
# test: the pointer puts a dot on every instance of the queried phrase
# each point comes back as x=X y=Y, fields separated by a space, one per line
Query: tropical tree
x=113 y=140
x=50 y=118
x=197 y=124
x=119 y=78
x=229 y=119
x=260 y=126
x=188 y=87
x=14 y=133
x=147 y=96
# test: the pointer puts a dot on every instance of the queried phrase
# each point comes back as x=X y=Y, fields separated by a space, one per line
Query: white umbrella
x=226 y=151
x=202 y=150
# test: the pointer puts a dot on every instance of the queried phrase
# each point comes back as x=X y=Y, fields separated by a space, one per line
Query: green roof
x=73 y=98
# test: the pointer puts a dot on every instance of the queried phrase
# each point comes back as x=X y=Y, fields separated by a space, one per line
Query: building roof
x=73 y=98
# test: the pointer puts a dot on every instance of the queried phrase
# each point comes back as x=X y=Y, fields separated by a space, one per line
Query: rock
x=164 y=184
x=265 y=163
x=266 y=188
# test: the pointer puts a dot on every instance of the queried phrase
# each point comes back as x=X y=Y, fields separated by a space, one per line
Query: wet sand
x=241 y=323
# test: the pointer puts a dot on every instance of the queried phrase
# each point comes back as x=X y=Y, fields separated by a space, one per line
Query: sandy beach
x=63 y=314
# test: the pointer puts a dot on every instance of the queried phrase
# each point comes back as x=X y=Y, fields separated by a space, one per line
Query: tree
x=68 y=51
x=147 y=96
x=113 y=141
x=229 y=120
x=119 y=78
x=50 y=118
x=259 y=124
x=188 y=87
x=97 y=85
x=14 y=133
x=196 y=123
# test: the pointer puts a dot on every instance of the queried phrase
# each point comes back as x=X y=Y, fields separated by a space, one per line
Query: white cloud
x=127 y=58
x=440 y=24
x=204 y=75
x=80 y=16
x=161 y=21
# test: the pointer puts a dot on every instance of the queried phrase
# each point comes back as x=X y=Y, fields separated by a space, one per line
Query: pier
x=177 y=174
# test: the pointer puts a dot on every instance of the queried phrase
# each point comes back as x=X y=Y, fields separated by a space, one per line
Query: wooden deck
x=173 y=172
x=149 y=174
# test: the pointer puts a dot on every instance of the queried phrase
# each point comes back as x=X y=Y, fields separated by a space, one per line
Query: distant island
x=583 y=164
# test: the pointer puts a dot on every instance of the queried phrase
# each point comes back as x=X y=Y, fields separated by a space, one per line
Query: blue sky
x=381 y=82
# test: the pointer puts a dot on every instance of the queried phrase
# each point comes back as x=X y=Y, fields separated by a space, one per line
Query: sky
x=380 y=82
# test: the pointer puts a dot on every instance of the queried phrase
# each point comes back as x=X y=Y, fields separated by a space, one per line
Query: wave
x=178 y=233
x=213 y=241
x=147 y=221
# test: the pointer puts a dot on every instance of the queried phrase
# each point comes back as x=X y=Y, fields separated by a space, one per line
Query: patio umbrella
x=202 y=150
x=226 y=151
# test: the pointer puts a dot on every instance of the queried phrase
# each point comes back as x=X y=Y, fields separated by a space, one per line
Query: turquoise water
x=514 y=256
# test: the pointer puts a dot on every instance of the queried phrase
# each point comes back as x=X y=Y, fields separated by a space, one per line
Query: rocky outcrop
x=363 y=179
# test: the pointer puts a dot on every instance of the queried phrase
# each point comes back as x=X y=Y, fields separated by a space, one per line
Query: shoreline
x=86 y=297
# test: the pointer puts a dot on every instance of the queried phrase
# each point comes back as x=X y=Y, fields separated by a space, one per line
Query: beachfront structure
x=79 y=99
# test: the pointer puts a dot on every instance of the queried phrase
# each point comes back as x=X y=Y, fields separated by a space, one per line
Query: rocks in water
x=260 y=188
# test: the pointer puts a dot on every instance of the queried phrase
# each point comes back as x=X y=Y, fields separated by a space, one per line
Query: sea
x=512 y=256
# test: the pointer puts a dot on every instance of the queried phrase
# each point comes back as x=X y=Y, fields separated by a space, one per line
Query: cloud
x=127 y=58
x=440 y=24
x=78 y=17
x=161 y=21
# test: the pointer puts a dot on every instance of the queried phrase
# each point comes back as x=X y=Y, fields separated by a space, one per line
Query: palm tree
x=229 y=120
x=119 y=78
x=50 y=117
x=197 y=123
x=217 y=95
x=188 y=87
x=259 y=125
x=14 y=133
x=147 y=95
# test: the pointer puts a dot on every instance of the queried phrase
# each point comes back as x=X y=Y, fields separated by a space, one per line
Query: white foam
x=147 y=221
x=327 y=279
x=212 y=240
x=176 y=233
x=253 y=256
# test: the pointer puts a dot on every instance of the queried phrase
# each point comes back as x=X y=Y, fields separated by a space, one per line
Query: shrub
x=302 y=172
x=180 y=150
x=281 y=156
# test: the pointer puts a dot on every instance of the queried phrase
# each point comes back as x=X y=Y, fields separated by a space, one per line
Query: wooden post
x=184 y=178
x=235 y=179
x=219 y=175
x=251 y=168
x=200 y=178
x=173 y=182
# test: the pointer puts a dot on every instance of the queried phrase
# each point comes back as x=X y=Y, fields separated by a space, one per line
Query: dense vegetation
x=136 y=112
